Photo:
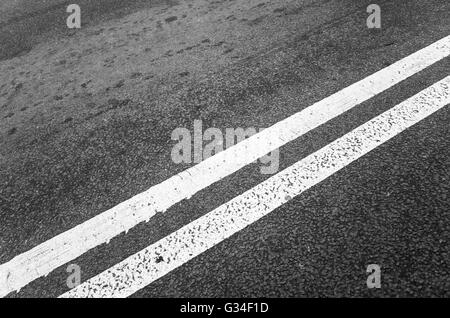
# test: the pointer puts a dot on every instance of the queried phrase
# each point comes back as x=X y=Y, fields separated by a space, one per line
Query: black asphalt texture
x=390 y=208
x=26 y=27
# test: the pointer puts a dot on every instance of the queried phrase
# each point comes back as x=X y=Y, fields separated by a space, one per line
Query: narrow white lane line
x=63 y=248
x=155 y=261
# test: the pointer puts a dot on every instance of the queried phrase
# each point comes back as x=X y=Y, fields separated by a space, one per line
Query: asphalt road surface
x=86 y=118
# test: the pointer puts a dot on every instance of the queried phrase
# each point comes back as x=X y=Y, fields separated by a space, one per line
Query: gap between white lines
x=61 y=249
x=160 y=258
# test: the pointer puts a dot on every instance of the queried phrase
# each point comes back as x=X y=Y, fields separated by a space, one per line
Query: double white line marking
x=181 y=246
x=155 y=261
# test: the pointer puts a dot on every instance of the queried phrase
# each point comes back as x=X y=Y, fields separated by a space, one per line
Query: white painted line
x=155 y=261
x=63 y=248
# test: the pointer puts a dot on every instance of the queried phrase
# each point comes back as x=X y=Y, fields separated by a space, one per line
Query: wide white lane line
x=69 y=245
x=160 y=258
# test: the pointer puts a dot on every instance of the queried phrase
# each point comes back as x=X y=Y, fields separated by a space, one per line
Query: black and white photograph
x=225 y=154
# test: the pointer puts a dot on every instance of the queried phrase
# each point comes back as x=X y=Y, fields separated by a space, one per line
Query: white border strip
x=157 y=260
x=63 y=248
